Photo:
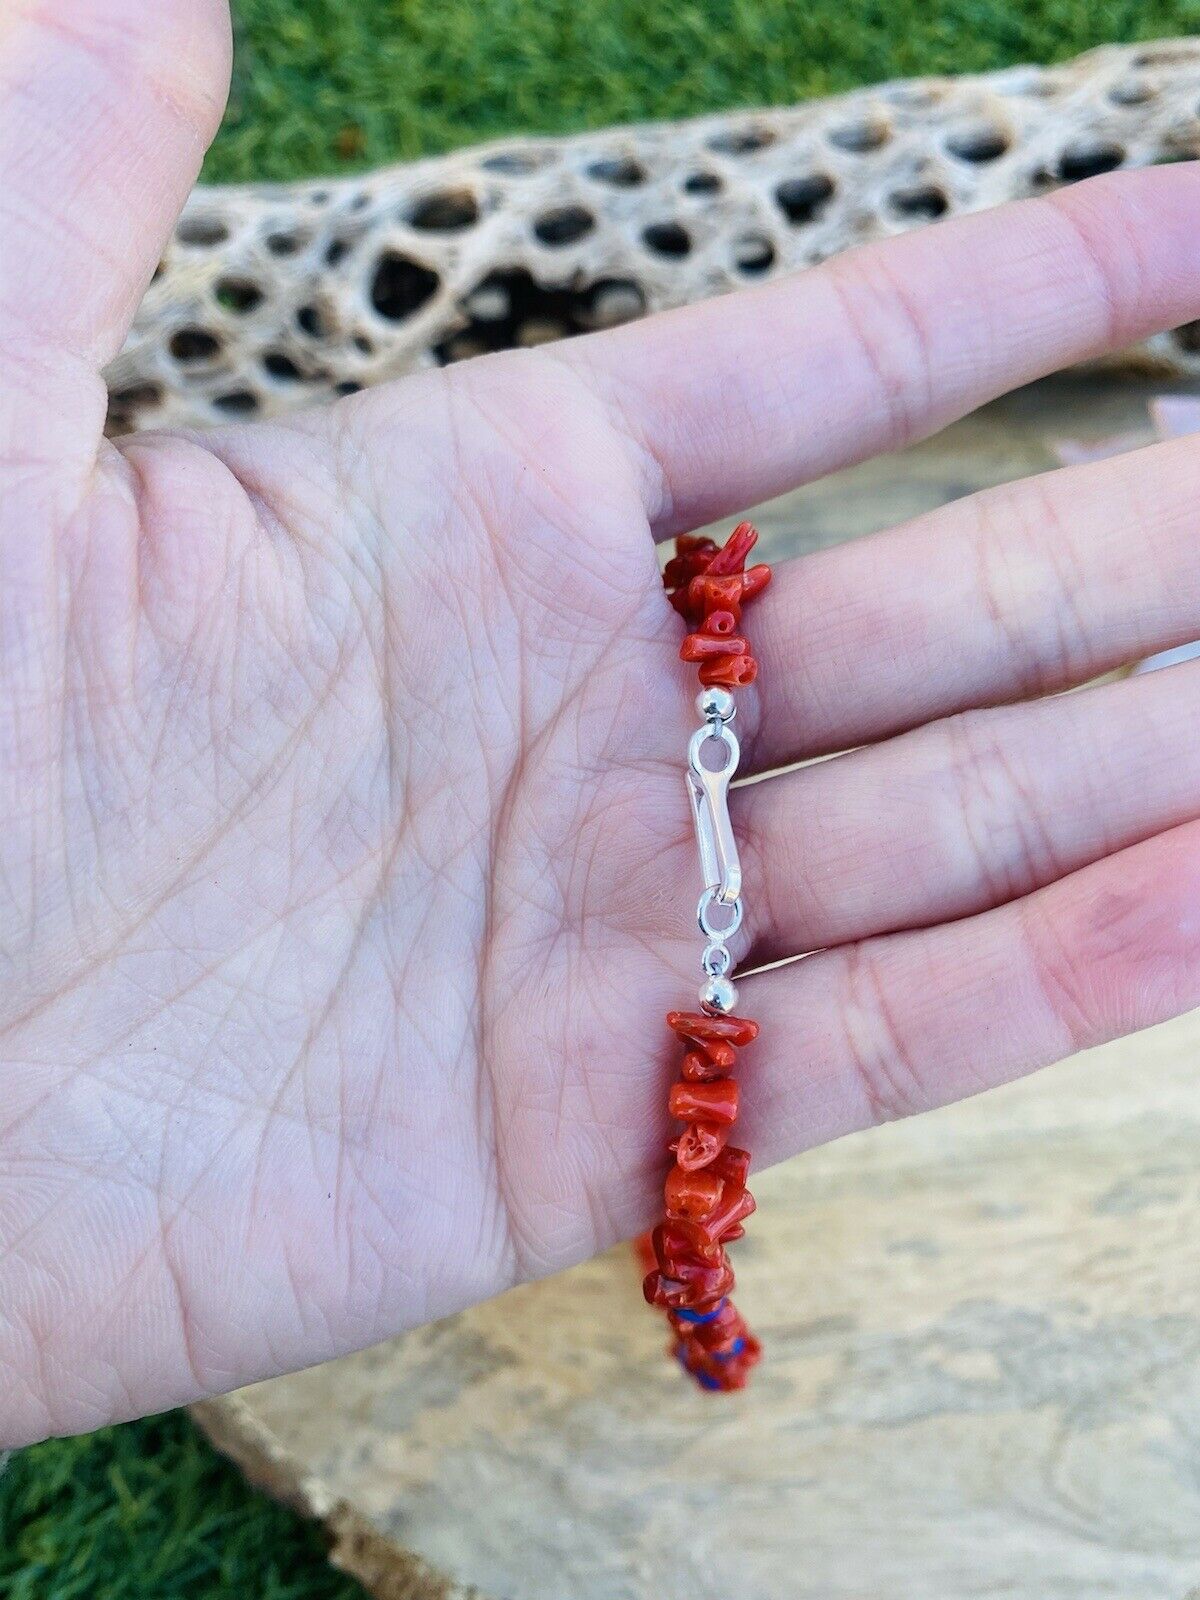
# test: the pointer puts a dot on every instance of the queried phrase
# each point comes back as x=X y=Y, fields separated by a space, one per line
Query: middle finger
x=1015 y=591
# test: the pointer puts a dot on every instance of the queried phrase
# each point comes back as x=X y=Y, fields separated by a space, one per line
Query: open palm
x=345 y=860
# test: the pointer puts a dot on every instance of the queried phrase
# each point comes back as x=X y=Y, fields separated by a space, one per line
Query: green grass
x=330 y=85
x=147 y=1512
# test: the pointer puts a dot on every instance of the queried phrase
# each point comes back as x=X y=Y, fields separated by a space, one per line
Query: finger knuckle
x=889 y=1072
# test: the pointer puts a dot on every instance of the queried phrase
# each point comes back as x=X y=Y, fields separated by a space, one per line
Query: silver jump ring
x=717 y=733
x=716 y=960
x=710 y=898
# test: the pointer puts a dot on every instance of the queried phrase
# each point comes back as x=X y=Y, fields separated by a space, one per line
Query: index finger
x=736 y=399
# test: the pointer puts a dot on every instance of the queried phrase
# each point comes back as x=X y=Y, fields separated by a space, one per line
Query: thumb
x=106 y=109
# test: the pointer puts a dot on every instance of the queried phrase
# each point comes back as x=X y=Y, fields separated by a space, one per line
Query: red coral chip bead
x=692 y=557
x=705 y=595
x=704 y=1102
x=721 y=622
x=715 y=594
x=657 y=1291
x=724 y=1321
x=729 y=672
x=714 y=1343
x=754 y=582
x=692 y=1196
x=703 y=1066
x=644 y=1249
x=702 y=1285
x=733 y=1165
x=736 y=1205
x=697 y=1027
x=699 y=1144
x=696 y=547
x=712 y=647
x=731 y=557
x=693 y=553
x=679 y=1244
x=734 y=1373
x=679 y=599
x=721 y=1372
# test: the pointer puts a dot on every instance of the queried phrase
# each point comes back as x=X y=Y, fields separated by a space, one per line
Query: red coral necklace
x=705 y=1193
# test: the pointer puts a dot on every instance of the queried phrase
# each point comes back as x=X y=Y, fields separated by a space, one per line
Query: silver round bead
x=719 y=995
x=716 y=705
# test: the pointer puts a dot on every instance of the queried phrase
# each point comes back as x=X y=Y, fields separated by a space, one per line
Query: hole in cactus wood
x=978 y=145
x=667 y=239
x=1087 y=159
x=401 y=286
x=508 y=309
x=194 y=344
x=563 y=225
x=238 y=295
x=447 y=211
x=925 y=200
x=803 y=199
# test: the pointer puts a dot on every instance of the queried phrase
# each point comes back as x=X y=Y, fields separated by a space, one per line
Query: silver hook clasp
x=708 y=791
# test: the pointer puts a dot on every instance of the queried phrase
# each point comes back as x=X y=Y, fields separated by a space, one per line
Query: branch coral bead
x=708 y=586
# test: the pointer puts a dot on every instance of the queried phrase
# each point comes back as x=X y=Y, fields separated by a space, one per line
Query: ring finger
x=967 y=813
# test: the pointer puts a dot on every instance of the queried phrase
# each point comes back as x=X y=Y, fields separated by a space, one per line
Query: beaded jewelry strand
x=705 y=1192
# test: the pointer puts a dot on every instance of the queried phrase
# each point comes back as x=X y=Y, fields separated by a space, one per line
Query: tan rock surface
x=983 y=1378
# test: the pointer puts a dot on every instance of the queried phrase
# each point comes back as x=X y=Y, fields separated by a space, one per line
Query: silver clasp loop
x=708 y=790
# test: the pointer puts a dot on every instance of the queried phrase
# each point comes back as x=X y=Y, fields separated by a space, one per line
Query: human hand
x=345 y=859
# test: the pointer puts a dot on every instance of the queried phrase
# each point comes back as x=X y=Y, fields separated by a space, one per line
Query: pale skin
x=344 y=852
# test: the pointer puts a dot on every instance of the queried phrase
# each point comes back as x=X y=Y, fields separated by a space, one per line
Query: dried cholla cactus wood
x=269 y=297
